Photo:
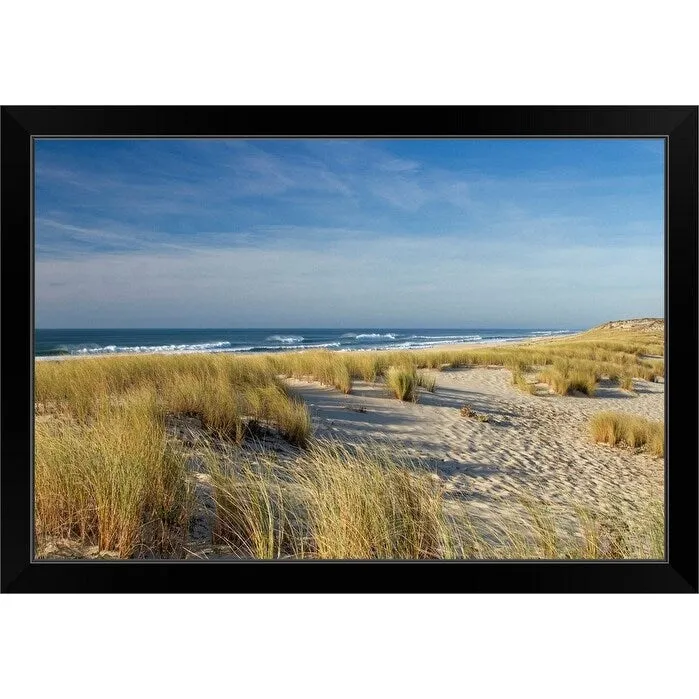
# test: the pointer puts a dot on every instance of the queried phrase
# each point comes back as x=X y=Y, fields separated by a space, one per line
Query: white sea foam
x=550 y=332
x=375 y=336
x=322 y=344
x=260 y=348
x=212 y=347
x=445 y=337
x=115 y=349
x=286 y=339
x=433 y=343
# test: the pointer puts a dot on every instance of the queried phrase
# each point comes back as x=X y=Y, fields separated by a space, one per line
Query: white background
x=532 y=53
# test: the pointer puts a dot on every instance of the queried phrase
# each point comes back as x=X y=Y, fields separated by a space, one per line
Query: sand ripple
x=532 y=446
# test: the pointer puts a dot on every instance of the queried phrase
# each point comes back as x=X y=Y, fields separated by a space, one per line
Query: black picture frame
x=677 y=573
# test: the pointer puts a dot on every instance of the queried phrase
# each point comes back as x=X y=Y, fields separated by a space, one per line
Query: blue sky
x=339 y=233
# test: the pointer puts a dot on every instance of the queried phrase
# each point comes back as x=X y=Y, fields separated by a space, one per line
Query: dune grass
x=541 y=531
x=336 y=502
x=619 y=429
x=626 y=383
x=565 y=381
x=581 y=361
x=362 y=502
x=368 y=366
x=402 y=383
x=224 y=392
x=427 y=381
x=106 y=475
x=583 y=382
x=252 y=511
x=320 y=365
x=114 y=482
x=522 y=384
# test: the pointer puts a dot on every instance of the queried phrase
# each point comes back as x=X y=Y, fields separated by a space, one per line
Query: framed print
x=357 y=349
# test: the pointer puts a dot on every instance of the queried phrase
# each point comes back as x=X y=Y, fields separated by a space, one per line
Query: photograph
x=356 y=348
x=349 y=348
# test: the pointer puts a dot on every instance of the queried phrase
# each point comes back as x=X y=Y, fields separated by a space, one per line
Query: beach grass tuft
x=402 y=382
x=338 y=502
x=114 y=483
x=427 y=381
x=522 y=384
x=565 y=380
x=626 y=382
x=618 y=429
x=364 y=502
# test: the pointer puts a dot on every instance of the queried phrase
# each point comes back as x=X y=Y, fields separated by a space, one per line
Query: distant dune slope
x=635 y=325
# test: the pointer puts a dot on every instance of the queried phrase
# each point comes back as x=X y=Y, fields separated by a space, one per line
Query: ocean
x=89 y=342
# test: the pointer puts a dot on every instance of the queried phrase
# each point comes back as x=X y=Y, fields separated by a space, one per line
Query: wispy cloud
x=357 y=280
x=326 y=232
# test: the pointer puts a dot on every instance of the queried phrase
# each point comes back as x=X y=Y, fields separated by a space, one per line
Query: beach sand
x=536 y=446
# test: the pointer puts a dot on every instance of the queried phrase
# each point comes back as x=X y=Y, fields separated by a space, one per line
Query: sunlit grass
x=345 y=502
x=626 y=383
x=402 y=383
x=522 y=384
x=104 y=473
x=113 y=482
x=565 y=381
x=363 y=502
x=427 y=381
x=628 y=430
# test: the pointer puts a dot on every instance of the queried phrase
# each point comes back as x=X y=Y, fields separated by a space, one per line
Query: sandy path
x=532 y=445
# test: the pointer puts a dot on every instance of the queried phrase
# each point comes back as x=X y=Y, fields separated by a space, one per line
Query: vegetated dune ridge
x=633 y=325
x=511 y=448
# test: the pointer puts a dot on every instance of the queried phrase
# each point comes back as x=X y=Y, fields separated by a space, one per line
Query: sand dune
x=511 y=447
x=535 y=446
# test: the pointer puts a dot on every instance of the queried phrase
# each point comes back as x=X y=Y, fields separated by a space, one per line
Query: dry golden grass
x=522 y=384
x=368 y=366
x=341 y=502
x=545 y=532
x=113 y=482
x=582 y=360
x=222 y=390
x=335 y=502
x=402 y=383
x=363 y=502
x=253 y=509
x=583 y=382
x=427 y=381
x=104 y=473
x=329 y=368
x=626 y=383
x=628 y=430
x=565 y=381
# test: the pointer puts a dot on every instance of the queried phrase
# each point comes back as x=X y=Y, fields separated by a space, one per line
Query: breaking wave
x=550 y=332
x=138 y=349
x=286 y=339
x=375 y=336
